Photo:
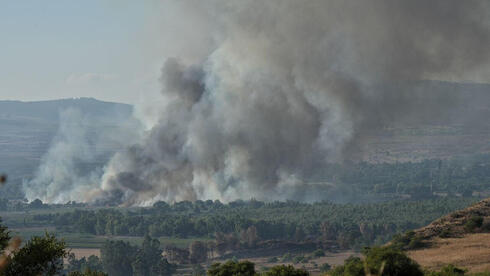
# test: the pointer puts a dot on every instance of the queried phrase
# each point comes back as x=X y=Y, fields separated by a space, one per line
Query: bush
x=445 y=233
x=473 y=223
x=386 y=261
x=409 y=240
x=325 y=267
x=395 y=262
x=244 y=268
x=353 y=266
x=287 y=257
x=318 y=253
x=298 y=259
x=283 y=270
x=449 y=270
x=273 y=260
x=485 y=226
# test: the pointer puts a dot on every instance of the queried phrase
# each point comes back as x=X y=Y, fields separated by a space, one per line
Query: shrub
x=318 y=253
x=298 y=259
x=409 y=240
x=445 y=233
x=395 y=262
x=473 y=223
x=325 y=267
x=287 y=257
x=244 y=268
x=272 y=260
x=289 y=270
x=449 y=270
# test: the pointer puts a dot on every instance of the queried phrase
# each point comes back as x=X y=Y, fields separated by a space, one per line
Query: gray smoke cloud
x=283 y=86
x=72 y=167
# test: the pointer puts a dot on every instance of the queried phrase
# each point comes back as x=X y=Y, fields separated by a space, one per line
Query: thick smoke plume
x=284 y=86
x=72 y=168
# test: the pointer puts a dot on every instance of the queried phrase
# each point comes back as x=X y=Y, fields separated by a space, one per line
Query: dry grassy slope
x=453 y=224
x=463 y=249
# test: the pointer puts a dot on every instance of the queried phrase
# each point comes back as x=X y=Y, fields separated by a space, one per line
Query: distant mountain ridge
x=50 y=109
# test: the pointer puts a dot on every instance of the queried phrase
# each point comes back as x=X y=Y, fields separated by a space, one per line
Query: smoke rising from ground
x=281 y=87
x=72 y=168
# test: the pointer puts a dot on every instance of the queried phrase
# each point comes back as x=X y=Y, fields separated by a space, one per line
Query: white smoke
x=261 y=94
x=72 y=168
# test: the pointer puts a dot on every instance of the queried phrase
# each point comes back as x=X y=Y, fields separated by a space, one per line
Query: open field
x=471 y=252
x=88 y=241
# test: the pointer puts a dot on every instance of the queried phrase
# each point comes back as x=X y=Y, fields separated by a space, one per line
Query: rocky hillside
x=474 y=219
x=461 y=238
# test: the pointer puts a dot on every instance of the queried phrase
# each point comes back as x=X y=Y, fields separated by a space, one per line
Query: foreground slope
x=461 y=238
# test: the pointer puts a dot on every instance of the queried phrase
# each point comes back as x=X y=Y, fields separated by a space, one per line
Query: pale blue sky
x=66 y=48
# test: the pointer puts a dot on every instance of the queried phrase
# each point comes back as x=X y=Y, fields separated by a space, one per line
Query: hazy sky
x=91 y=48
x=108 y=49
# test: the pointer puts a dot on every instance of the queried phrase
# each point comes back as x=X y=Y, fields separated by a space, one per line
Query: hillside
x=461 y=238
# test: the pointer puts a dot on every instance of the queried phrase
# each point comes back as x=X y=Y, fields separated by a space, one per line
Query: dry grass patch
x=471 y=252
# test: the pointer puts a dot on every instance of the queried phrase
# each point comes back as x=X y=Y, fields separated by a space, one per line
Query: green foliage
x=395 y=262
x=231 y=268
x=287 y=257
x=40 y=255
x=318 y=253
x=386 y=261
x=117 y=258
x=325 y=267
x=350 y=225
x=198 y=270
x=121 y=258
x=272 y=260
x=353 y=266
x=407 y=241
x=285 y=270
x=449 y=270
x=4 y=237
x=92 y=263
x=473 y=223
x=198 y=252
x=298 y=259
x=87 y=272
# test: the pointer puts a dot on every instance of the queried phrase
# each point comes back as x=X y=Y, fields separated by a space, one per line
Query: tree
x=396 y=263
x=252 y=236
x=91 y=264
x=325 y=267
x=117 y=257
x=449 y=270
x=163 y=268
x=149 y=259
x=198 y=270
x=198 y=252
x=40 y=255
x=473 y=223
x=286 y=270
x=87 y=272
x=353 y=266
x=4 y=237
x=36 y=204
x=232 y=268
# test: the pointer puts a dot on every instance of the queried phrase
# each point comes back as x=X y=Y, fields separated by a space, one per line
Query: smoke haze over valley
x=265 y=94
